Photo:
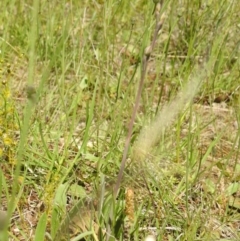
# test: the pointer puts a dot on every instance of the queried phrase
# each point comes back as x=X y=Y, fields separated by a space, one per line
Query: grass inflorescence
x=8 y=120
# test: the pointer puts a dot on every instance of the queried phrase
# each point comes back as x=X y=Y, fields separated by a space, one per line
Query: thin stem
x=146 y=55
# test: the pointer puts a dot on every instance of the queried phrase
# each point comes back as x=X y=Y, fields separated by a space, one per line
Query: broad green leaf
x=77 y=191
x=41 y=227
x=233 y=188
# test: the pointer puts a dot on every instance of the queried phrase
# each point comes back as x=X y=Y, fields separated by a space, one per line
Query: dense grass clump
x=119 y=120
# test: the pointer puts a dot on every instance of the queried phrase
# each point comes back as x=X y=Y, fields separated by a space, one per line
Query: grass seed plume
x=150 y=135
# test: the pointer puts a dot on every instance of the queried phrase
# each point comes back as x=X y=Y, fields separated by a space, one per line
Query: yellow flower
x=7 y=140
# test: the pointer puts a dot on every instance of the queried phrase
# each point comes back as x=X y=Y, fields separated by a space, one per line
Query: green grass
x=73 y=70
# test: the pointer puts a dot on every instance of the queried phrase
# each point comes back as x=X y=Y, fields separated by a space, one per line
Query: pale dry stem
x=144 y=64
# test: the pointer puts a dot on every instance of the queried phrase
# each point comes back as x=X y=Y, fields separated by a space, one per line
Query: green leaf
x=59 y=207
x=233 y=188
x=83 y=83
x=41 y=227
x=55 y=222
x=77 y=191
x=209 y=186
x=61 y=198
x=82 y=235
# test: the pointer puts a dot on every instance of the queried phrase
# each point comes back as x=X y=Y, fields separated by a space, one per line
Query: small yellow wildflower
x=8 y=141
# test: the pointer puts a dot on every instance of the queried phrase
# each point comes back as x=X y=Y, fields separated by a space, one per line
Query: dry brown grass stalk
x=146 y=55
